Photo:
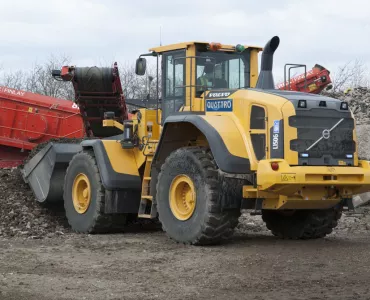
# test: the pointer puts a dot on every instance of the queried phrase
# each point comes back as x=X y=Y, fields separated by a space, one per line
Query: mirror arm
x=149 y=54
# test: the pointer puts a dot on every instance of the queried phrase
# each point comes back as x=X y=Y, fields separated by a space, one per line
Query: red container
x=28 y=119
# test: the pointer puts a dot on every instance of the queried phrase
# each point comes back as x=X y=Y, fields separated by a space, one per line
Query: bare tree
x=16 y=80
x=139 y=87
x=39 y=80
x=351 y=75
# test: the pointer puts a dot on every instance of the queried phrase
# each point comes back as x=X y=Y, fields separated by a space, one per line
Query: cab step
x=148 y=207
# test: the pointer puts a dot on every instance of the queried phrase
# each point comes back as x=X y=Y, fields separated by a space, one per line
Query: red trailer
x=28 y=119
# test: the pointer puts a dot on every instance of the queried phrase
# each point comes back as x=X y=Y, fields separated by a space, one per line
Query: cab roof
x=184 y=45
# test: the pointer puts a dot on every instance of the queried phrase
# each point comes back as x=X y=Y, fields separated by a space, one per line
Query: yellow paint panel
x=288 y=177
x=229 y=133
x=290 y=133
x=122 y=160
x=147 y=129
x=310 y=181
x=190 y=80
x=254 y=68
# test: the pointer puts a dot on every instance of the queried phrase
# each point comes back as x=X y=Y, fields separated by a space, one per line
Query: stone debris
x=358 y=100
x=21 y=215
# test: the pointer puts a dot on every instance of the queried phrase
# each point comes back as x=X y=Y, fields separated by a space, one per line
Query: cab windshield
x=222 y=70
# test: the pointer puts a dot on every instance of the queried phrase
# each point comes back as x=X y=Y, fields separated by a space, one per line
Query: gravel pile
x=21 y=215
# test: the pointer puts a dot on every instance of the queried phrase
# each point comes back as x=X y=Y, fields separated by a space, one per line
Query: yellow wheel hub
x=81 y=193
x=182 y=197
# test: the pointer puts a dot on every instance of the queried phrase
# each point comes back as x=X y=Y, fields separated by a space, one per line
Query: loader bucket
x=46 y=170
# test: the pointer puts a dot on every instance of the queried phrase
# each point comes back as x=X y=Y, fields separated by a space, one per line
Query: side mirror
x=140 y=67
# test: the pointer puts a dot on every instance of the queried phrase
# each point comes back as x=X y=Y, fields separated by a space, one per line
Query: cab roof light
x=214 y=46
x=344 y=106
x=302 y=104
x=239 y=48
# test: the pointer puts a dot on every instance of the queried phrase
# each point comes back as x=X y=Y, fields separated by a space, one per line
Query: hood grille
x=335 y=147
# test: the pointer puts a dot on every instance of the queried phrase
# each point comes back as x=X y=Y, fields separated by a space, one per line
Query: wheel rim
x=182 y=197
x=81 y=193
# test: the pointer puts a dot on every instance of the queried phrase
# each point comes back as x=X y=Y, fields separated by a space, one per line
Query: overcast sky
x=98 y=32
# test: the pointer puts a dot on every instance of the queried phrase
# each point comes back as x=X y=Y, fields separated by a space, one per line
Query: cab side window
x=175 y=72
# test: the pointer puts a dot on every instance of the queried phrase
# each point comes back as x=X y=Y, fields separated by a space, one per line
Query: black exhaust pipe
x=265 y=79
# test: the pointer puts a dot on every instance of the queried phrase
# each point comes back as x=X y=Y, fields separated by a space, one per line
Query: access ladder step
x=147 y=210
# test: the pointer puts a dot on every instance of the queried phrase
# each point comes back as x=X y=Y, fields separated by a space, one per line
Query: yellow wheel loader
x=221 y=139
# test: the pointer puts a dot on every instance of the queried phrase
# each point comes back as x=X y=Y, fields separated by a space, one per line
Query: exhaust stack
x=265 y=78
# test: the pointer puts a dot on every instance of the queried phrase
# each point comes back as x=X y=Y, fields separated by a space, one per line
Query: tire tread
x=218 y=225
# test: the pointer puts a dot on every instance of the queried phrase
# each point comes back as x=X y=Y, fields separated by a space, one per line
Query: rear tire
x=302 y=224
x=207 y=223
x=93 y=220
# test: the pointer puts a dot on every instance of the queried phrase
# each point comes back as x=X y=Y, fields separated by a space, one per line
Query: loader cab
x=190 y=69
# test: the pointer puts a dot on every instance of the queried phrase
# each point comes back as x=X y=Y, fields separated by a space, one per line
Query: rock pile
x=358 y=100
x=21 y=215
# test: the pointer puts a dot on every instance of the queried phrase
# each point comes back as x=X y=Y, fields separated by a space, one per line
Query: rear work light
x=275 y=166
x=322 y=104
x=302 y=104
x=344 y=106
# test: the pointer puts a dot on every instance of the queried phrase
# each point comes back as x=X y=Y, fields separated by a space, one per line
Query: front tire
x=84 y=197
x=188 y=199
x=302 y=224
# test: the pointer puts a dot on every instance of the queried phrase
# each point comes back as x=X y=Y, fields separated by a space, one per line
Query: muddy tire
x=91 y=218
x=302 y=224
x=207 y=224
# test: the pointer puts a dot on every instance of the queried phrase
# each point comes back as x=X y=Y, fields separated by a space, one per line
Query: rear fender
x=179 y=130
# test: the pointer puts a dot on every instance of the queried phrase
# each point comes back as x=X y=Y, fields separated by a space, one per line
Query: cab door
x=173 y=69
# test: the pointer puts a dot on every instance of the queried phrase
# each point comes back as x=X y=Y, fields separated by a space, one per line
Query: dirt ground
x=144 y=264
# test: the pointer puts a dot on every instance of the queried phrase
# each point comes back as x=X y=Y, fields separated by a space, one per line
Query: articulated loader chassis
x=224 y=139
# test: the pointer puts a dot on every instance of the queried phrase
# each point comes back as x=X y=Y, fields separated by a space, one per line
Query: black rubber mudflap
x=46 y=170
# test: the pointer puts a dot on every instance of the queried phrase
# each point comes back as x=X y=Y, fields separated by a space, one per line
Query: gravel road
x=41 y=259
x=147 y=265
